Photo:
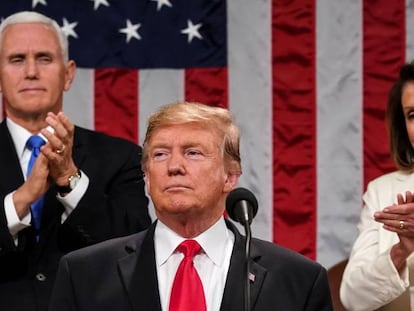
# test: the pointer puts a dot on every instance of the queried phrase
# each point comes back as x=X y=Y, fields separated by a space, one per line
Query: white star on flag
x=36 y=2
x=98 y=3
x=192 y=31
x=160 y=3
x=131 y=31
x=68 y=28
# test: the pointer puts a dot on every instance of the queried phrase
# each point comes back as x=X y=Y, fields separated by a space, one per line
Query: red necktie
x=187 y=291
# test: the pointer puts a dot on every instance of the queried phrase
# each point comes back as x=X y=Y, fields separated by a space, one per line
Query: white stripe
x=409 y=16
x=250 y=89
x=78 y=102
x=157 y=87
x=339 y=126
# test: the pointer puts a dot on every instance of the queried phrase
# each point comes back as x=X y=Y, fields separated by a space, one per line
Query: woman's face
x=407 y=100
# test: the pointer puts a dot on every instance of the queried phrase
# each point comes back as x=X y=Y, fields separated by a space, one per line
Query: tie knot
x=189 y=248
x=35 y=141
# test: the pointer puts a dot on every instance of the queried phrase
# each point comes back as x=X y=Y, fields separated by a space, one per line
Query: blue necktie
x=34 y=143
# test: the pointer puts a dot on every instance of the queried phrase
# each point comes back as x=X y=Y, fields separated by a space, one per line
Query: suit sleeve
x=370 y=279
x=320 y=297
x=114 y=204
x=63 y=296
x=6 y=240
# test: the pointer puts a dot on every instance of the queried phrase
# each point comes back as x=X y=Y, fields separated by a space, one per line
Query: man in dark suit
x=191 y=162
x=91 y=183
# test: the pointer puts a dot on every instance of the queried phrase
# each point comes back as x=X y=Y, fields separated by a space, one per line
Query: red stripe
x=294 y=125
x=116 y=102
x=207 y=85
x=383 y=54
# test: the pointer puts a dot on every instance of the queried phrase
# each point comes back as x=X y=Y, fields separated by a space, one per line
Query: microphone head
x=238 y=196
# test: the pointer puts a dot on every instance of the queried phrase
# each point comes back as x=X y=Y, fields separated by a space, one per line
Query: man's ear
x=230 y=182
x=147 y=181
x=70 y=74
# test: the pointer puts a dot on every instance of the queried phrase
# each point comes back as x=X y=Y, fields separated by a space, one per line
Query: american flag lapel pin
x=252 y=277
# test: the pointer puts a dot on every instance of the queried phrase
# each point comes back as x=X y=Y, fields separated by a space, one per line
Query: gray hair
x=34 y=17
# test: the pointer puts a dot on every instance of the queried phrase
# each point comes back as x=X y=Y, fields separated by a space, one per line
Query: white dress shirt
x=212 y=264
x=20 y=136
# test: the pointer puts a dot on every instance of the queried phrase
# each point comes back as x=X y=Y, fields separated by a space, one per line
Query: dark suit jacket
x=120 y=275
x=114 y=205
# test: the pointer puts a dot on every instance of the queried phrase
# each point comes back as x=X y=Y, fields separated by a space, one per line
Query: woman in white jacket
x=378 y=273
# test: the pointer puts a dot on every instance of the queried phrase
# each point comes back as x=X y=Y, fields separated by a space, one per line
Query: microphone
x=241 y=205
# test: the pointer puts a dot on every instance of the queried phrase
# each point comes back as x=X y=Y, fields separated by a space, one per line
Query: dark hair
x=402 y=152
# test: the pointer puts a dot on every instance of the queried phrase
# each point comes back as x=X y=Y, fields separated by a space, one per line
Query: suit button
x=40 y=277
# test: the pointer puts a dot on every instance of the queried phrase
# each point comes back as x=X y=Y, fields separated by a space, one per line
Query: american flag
x=306 y=80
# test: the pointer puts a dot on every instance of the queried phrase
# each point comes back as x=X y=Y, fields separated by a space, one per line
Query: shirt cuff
x=400 y=280
x=71 y=200
x=13 y=221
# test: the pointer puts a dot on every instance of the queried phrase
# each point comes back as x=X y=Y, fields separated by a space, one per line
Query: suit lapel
x=139 y=275
x=233 y=297
x=11 y=173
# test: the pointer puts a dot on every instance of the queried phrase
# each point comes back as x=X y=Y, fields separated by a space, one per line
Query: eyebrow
x=24 y=55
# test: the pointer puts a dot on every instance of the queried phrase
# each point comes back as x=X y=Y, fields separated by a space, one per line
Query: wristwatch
x=72 y=182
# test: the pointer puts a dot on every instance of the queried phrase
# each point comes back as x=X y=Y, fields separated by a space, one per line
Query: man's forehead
x=37 y=35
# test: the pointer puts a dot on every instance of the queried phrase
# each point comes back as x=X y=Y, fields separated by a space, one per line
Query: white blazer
x=370 y=280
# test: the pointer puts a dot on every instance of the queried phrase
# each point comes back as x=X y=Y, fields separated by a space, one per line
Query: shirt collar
x=19 y=136
x=213 y=241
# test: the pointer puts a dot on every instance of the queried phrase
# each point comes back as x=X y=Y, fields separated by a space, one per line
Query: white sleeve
x=71 y=200
x=13 y=222
x=370 y=279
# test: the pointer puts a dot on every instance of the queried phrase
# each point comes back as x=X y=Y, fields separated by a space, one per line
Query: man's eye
x=158 y=155
x=44 y=59
x=193 y=153
x=16 y=60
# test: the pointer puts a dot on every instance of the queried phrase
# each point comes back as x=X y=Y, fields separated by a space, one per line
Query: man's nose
x=176 y=164
x=31 y=69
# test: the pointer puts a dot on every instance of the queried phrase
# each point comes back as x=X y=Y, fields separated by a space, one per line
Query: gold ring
x=59 y=151
x=401 y=224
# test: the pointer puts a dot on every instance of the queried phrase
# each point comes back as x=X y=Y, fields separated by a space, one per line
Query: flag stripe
x=78 y=101
x=116 y=98
x=409 y=30
x=294 y=126
x=384 y=53
x=207 y=85
x=339 y=126
x=250 y=91
x=158 y=87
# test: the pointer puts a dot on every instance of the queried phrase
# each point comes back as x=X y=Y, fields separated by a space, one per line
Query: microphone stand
x=247 y=266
